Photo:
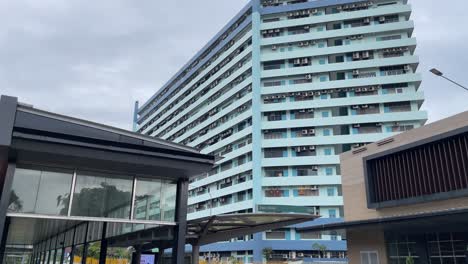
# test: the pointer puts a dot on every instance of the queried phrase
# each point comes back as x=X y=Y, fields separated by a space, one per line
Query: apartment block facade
x=276 y=96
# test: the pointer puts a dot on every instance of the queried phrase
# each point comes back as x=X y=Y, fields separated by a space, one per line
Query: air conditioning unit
x=308 y=76
x=311 y=131
x=356 y=55
x=315 y=168
x=360 y=36
x=357 y=90
x=274 y=47
x=367 y=20
x=306 y=27
x=314 y=11
x=305 y=132
x=364 y=106
x=355 y=107
x=355 y=72
x=298 y=149
x=407 y=68
x=301 y=255
x=382 y=19
x=366 y=54
x=311 y=147
x=356 y=126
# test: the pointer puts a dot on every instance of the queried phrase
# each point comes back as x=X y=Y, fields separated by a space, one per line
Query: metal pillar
x=195 y=254
x=4 y=240
x=160 y=256
x=103 y=252
x=178 y=248
x=5 y=200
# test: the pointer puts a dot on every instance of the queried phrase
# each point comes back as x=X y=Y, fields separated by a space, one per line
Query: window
x=322 y=61
x=323 y=78
x=275 y=234
x=102 y=195
x=326 y=132
x=332 y=213
x=41 y=191
x=328 y=151
x=325 y=114
x=329 y=171
x=310 y=235
x=369 y=257
x=307 y=171
x=331 y=191
x=275 y=153
x=276 y=172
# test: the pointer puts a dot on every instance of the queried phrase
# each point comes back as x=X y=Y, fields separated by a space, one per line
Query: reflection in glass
x=118 y=255
x=67 y=255
x=52 y=256
x=148 y=199
x=99 y=195
x=41 y=192
x=169 y=201
x=93 y=252
x=58 y=256
x=78 y=254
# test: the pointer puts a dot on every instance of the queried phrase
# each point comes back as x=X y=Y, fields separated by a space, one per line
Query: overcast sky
x=93 y=59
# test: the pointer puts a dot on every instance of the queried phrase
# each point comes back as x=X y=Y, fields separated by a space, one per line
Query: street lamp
x=440 y=74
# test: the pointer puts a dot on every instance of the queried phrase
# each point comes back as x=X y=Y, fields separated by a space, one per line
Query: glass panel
x=118 y=255
x=24 y=191
x=100 y=195
x=78 y=254
x=148 y=199
x=58 y=256
x=42 y=192
x=52 y=256
x=169 y=201
x=94 y=249
x=54 y=193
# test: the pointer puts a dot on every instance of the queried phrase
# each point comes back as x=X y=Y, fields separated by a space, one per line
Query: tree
x=320 y=248
x=15 y=205
x=233 y=260
x=267 y=252
x=96 y=202
x=409 y=260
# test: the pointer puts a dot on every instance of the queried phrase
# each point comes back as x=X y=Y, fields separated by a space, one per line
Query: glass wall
x=102 y=195
x=148 y=199
x=45 y=191
x=168 y=206
x=95 y=194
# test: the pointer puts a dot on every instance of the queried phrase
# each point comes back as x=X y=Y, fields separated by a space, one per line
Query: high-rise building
x=276 y=96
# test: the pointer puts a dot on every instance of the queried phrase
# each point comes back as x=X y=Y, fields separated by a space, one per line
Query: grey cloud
x=93 y=59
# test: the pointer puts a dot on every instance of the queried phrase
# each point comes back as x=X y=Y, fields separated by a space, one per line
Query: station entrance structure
x=74 y=191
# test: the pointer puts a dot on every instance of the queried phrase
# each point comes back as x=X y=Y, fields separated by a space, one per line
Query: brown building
x=408 y=196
